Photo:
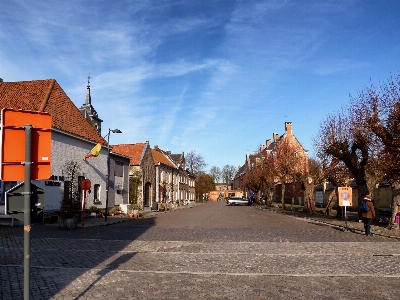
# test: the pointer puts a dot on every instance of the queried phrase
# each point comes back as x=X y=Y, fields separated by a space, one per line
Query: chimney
x=155 y=147
x=275 y=136
x=267 y=143
x=288 y=128
x=1 y=80
x=262 y=147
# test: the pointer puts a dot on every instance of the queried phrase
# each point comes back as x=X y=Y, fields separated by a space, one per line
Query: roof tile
x=135 y=151
x=30 y=95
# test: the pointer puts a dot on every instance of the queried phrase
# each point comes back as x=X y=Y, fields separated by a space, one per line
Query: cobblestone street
x=210 y=251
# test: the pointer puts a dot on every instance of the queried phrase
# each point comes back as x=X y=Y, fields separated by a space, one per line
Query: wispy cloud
x=335 y=66
x=188 y=74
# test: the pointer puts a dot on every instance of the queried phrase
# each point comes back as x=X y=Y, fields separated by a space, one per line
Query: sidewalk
x=90 y=221
x=353 y=224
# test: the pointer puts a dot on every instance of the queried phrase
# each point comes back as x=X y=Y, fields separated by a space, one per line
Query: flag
x=96 y=149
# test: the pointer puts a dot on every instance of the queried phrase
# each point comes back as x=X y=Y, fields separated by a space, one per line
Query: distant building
x=141 y=166
x=270 y=149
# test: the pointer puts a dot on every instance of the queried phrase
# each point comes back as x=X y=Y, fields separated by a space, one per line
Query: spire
x=88 y=110
x=88 y=100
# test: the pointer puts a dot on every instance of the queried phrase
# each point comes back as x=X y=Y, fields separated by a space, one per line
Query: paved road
x=210 y=251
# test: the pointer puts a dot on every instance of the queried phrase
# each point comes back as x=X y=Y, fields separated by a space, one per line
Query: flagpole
x=108 y=173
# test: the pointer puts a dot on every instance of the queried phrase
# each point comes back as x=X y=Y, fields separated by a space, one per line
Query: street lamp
x=108 y=166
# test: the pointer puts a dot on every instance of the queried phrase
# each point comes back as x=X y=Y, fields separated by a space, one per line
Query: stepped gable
x=135 y=151
x=47 y=96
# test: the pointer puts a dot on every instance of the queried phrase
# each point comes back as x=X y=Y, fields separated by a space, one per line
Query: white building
x=73 y=136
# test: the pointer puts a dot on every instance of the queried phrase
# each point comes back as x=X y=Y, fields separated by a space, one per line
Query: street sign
x=12 y=147
x=345 y=196
x=86 y=184
x=15 y=201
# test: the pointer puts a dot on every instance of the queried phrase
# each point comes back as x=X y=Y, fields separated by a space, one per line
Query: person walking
x=368 y=213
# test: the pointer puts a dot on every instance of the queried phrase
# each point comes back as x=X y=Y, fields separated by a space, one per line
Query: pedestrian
x=368 y=213
x=397 y=218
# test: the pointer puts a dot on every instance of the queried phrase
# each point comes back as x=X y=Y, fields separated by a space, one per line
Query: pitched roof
x=160 y=157
x=135 y=151
x=47 y=96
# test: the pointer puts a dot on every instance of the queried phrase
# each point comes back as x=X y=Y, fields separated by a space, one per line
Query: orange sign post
x=85 y=185
x=25 y=155
x=345 y=199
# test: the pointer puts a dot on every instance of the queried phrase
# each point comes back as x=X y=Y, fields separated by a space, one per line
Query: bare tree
x=195 y=163
x=228 y=171
x=337 y=174
x=261 y=179
x=308 y=177
x=339 y=138
x=216 y=173
x=285 y=166
x=253 y=179
x=378 y=110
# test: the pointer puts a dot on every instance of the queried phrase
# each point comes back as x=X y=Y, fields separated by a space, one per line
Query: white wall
x=65 y=149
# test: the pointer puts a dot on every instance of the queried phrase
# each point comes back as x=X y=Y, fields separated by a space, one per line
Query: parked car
x=237 y=201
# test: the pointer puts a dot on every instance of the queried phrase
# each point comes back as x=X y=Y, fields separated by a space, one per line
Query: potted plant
x=94 y=210
x=101 y=212
x=112 y=211
x=70 y=205
x=134 y=210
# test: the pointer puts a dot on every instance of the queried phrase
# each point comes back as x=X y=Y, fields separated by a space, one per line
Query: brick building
x=271 y=148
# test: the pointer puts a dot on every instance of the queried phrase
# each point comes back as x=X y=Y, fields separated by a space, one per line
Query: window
x=96 y=192
x=119 y=169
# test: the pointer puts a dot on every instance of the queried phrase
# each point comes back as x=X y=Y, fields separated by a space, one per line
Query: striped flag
x=96 y=149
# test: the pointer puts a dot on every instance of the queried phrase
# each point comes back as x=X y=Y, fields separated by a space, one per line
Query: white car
x=237 y=201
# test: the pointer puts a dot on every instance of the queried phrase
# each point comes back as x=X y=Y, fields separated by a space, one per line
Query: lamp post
x=108 y=167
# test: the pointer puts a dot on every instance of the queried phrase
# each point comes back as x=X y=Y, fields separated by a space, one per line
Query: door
x=147 y=194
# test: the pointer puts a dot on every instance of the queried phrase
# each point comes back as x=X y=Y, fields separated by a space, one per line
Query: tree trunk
x=311 y=196
x=362 y=192
x=329 y=204
x=268 y=194
x=339 y=211
x=283 y=195
x=294 y=193
x=395 y=201
x=307 y=197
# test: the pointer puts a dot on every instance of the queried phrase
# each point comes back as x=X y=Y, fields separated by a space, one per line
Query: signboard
x=15 y=201
x=319 y=197
x=12 y=147
x=345 y=196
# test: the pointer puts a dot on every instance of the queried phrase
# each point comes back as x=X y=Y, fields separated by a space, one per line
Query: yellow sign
x=345 y=196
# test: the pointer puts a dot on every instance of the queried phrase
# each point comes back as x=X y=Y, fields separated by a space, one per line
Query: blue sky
x=216 y=77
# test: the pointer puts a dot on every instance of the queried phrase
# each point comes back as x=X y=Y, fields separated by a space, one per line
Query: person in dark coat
x=369 y=215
